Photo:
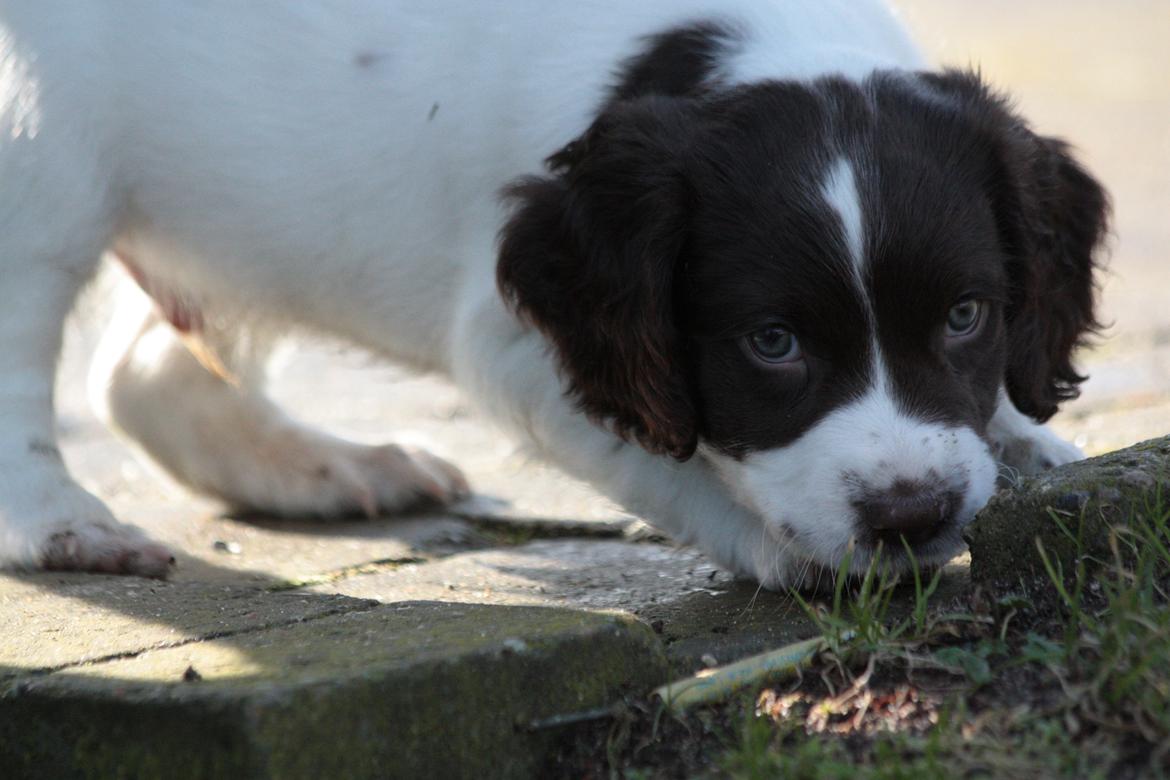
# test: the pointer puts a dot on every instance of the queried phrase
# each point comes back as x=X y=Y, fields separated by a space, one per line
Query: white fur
x=1024 y=446
x=805 y=491
x=335 y=164
x=840 y=192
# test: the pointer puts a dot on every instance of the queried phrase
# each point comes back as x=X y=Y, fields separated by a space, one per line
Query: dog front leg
x=1023 y=446
x=46 y=519
x=510 y=372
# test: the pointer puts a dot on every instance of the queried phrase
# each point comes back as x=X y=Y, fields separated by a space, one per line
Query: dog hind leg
x=195 y=404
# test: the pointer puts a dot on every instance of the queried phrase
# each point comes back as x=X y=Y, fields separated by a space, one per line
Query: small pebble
x=515 y=645
x=191 y=675
x=709 y=661
x=231 y=548
x=1071 y=502
x=1109 y=495
x=1138 y=479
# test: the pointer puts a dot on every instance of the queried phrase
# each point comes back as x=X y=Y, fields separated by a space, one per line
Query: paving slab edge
x=451 y=713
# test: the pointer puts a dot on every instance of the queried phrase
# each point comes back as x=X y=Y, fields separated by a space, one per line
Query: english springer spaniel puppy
x=743 y=265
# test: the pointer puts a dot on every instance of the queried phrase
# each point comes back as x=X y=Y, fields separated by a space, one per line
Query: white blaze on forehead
x=840 y=192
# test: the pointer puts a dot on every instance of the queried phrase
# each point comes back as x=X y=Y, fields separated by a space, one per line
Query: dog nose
x=913 y=510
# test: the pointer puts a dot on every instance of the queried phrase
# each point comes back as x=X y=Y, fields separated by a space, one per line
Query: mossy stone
x=406 y=690
x=1068 y=510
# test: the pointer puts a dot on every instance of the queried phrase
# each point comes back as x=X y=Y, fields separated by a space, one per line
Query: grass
x=1073 y=683
x=1070 y=680
x=1113 y=658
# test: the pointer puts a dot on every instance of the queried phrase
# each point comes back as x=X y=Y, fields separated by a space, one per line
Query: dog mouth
x=890 y=554
x=820 y=580
x=826 y=518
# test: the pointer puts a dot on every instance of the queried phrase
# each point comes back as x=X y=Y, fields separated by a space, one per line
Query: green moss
x=1070 y=510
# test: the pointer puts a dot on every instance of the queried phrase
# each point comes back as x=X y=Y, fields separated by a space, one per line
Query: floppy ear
x=589 y=257
x=1052 y=217
x=1062 y=219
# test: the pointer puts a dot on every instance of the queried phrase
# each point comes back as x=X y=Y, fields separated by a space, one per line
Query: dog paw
x=397 y=477
x=1041 y=450
x=47 y=521
x=107 y=548
x=326 y=477
x=1022 y=446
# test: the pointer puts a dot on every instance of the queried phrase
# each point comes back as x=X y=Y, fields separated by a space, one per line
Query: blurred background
x=1097 y=74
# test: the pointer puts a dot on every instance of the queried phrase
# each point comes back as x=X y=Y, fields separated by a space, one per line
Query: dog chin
x=816 y=565
x=807 y=550
x=819 y=575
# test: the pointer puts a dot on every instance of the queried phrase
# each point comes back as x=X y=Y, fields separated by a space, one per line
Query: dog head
x=820 y=286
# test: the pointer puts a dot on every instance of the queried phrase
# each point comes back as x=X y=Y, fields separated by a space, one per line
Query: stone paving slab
x=701 y=613
x=51 y=621
x=409 y=690
x=698 y=609
x=598 y=575
x=269 y=552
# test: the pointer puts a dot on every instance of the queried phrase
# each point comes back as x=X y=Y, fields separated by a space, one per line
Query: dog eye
x=964 y=318
x=774 y=345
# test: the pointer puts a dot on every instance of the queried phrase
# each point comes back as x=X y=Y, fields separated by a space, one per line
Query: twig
x=716 y=684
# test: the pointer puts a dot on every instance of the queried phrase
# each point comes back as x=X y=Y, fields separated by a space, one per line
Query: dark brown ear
x=1062 y=220
x=589 y=257
x=1052 y=217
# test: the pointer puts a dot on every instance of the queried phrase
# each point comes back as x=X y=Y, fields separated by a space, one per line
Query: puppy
x=755 y=273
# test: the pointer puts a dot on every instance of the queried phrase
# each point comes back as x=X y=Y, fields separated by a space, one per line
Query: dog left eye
x=964 y=318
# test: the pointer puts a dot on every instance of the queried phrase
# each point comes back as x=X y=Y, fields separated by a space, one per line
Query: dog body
x=728 y=178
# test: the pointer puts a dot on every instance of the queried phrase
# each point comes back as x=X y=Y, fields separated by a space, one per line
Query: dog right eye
x=774 y=345
x=964 y=318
